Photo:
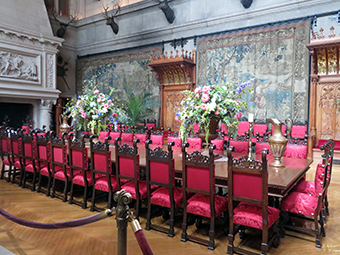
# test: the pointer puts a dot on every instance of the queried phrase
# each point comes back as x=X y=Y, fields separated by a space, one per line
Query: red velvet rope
x=143 y=243
x=66 y=224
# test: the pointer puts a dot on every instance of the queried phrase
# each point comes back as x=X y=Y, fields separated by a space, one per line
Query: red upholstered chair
x=80 y=174
x=299 y=132
x=295 y=151
x=260 y=129
x=157 y=139
x=142 y=137
x=128 y=172
x=5 y=151
x=29 y=160
x=240 y=146
x=177 y=141
x=103 y=135
x=308 y=207
x=150 y=125
x=113 y=136
x=219 y=145
x=248 y=202
x=127 y=137
x=16 y=155
x=260 y=146
x=44 y=162
x=198 y=177
x=160 y=172
x=243 y=127
x=102 y=176
x=195 y=143
x=59 y=166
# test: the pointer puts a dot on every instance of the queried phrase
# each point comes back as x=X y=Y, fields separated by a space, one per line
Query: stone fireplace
x=27 y=60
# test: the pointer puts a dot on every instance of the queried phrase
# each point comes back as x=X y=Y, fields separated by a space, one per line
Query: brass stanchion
x=122 y=213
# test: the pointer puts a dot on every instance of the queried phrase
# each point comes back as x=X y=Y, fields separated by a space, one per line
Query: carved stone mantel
x=176 y=73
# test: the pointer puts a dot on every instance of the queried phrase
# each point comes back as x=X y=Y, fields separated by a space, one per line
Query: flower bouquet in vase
x=207 y=105
x=91 y=111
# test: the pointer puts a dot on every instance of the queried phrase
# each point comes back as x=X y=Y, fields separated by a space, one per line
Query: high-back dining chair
x=248 y=202
x=16 y=155
x=143 y=135
x=127 y=136
x=310 y=208
x=80 y=173
x=198 y=177
x=5 y=151
x=157 y=136
x=101 y=171
x=44 y=161
x=29 y=160
x=59 y=166
x=128 y=171
x=160 y=172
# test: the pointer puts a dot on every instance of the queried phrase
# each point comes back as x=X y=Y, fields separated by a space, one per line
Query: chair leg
x=70 y=201
x=148 y=216
x=231 y=243
x=53 y=188
x=93 y=197
x=184 y=226
x=34 y=181
x=66 y=185
x=84 y=206
x=212 y=235
x=326 y=206
x=317 y=230
x=172 y=221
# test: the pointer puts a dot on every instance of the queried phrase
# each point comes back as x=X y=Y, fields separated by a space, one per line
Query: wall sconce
x=246 y=3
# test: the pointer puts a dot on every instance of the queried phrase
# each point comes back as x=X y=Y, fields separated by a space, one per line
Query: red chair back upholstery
x=100 y=157
x=142 y=137
x=127 y=162
x=127 y=137
x=247 y=180
x=260 y=147
x=102 y=135
x=160 y=168
x=157 y=139
x=176 y=140
x=195 y=143
x=219 y=145
x=114 y=135
x=240 y=146
x=243 y=126
x=260 y=128
x=295 y=151
x=150 y=125
x=78 y=154
x=299 y=132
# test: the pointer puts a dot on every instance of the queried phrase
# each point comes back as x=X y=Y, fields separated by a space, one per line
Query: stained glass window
x=332 y=60
x=321 y=54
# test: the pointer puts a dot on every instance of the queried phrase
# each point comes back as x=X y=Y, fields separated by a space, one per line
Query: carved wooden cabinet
x=324 y=87
x=176 y=73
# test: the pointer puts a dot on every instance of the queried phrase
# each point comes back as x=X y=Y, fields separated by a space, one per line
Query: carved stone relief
x=18 y=66
x=50 y=63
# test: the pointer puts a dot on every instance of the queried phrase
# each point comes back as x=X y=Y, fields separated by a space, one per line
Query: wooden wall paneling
x=176 y=73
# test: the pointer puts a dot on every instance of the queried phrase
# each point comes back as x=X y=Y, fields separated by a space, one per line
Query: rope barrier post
x=122 y=213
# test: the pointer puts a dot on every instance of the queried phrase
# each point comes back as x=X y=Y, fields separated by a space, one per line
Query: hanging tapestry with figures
x=129 y=69
x=276 y=58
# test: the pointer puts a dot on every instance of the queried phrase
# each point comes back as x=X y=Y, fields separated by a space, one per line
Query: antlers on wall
x=110 y=18
x=63 y=26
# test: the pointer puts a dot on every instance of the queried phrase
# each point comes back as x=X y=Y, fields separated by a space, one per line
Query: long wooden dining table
x=280 y=180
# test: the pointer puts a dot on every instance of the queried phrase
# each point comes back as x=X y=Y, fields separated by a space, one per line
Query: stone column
x=45 y=108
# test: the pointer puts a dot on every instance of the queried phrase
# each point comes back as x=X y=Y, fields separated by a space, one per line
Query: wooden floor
x=100 y=237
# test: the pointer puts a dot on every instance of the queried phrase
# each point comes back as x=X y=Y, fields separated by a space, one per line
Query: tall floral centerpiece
x=221 y=102
x=91 y=111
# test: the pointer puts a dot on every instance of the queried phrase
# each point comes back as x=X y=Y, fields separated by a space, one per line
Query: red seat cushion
x=250 y=215
x=130 y=188
x=17 y=164
x=60 y=174
x=103 y=185
x=200 y=204
x=44 y=171
x=6 y=162
x=300 y=203
x=161 y=197
x=29 y=168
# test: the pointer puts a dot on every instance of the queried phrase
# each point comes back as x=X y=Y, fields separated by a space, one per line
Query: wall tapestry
x=128 y=69
x=275 y=56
